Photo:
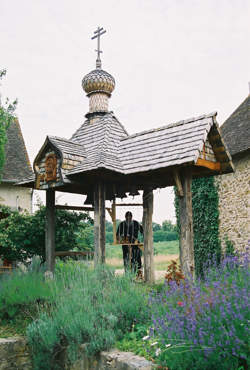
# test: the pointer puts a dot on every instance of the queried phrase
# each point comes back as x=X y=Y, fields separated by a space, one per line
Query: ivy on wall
x=205 y=200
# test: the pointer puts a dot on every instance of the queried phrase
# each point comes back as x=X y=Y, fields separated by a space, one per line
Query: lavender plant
x=204 y=324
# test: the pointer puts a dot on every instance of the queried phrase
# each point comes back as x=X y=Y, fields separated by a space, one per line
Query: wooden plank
x=149 y=273
x=215 y=166
x=129 y=204
x=99 y=223
x=74 y=208
x=186 y=241
x=178 y=183
x=72 y=253
x=50 y=230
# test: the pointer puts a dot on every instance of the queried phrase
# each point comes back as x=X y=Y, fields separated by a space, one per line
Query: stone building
x=17 y=166
x=234 y=188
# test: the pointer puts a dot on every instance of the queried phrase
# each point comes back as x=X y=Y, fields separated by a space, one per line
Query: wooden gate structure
x=103 y=162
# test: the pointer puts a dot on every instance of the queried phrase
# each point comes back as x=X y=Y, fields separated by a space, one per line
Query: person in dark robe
x=127 y=232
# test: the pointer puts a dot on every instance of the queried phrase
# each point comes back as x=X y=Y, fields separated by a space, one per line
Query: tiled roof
x=17 y=165
x=236 y=129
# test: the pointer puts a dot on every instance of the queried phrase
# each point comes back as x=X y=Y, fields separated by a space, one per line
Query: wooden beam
x=74 y=208
x=186 y=241
x=215 y=166
x=178 y=183
x=129 y=204
x=99 y=223
x=73 y=253
x=149 y=273
x=50 y=230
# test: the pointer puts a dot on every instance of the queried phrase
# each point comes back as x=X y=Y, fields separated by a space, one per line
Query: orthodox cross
x=97 y=34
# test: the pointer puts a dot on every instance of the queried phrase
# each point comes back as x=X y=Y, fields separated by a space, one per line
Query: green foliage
x=156 y=227
x=205 y=222
x=230 y=251
x=85 y=238
x=109 y=226
x=94 y=307
x=160 y=236
x=6 y=118
x=23 y=235
x=21 y=292
x=167 y=225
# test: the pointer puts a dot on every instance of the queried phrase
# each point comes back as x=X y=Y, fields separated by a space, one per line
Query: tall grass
x=92 y=306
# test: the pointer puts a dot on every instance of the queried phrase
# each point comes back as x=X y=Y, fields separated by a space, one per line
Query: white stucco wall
x=16 y=197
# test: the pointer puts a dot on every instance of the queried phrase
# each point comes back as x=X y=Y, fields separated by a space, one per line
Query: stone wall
x=234 y=204
x=14 y=355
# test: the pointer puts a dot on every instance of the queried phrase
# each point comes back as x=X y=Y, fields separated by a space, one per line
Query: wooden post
x=186 y=242
x=114 y=221
x=99 y=223
x=50 y=230
x=149 y=273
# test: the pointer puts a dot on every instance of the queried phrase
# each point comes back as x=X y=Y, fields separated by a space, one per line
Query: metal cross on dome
x=98 y=33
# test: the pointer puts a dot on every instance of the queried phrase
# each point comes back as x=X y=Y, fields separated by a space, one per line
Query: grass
x=164 y=253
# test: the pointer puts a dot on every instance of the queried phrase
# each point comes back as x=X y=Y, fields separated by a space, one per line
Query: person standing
x=127 y=233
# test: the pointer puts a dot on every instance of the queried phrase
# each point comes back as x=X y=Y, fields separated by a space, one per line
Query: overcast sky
x=171 y=60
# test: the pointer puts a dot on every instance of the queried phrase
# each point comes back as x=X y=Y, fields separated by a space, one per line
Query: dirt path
x=159 y=274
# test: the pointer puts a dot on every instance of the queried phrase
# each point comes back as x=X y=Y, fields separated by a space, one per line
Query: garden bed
x=191 y=325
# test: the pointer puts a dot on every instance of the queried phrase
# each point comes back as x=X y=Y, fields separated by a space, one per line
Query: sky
x=171 y=60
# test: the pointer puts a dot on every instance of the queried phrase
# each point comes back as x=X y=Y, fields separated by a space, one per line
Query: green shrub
x=94 y=307
x=23 y=235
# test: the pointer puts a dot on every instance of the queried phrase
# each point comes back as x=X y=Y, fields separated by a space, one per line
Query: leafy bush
x=23 y=235
x=205 y=324
x=93 y=306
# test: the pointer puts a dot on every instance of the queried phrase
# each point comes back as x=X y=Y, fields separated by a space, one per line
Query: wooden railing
x=5 y=269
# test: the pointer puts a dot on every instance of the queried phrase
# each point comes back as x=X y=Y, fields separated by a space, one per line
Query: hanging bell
x=89 y=200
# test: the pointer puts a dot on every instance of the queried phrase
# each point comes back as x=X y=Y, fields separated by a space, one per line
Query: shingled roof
x=108 y=145
x=236 y=129
x=17 y=164
x=101 y=140
x=170 y=145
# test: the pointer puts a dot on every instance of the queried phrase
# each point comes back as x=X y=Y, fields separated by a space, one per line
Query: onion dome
x=98 y=81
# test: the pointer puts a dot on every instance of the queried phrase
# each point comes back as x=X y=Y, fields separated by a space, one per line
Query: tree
x=167 y=225
x=23 y=235
x=156 y=227
x=6 y=118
